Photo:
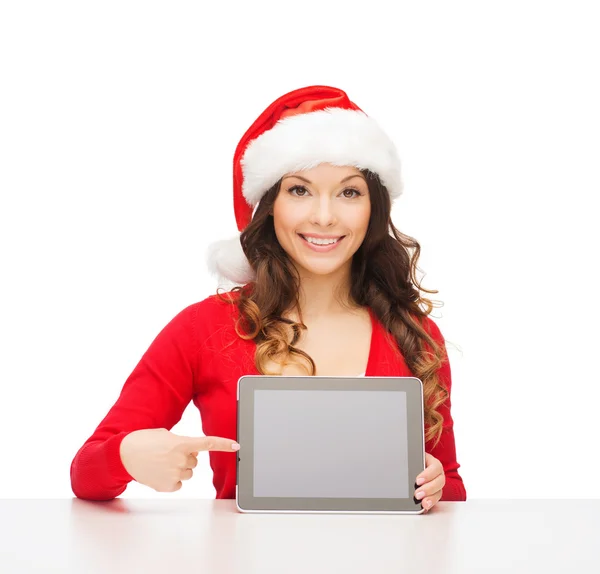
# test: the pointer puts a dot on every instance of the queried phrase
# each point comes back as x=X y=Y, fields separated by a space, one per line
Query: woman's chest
x=225 y=357
x=337 y=348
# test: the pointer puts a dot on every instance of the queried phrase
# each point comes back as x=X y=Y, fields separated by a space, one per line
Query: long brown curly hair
x=383 y=277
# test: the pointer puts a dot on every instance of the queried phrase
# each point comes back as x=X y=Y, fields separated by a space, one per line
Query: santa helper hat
x=300 y=130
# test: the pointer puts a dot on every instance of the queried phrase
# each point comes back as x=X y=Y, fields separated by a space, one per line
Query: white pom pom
x=227 y=260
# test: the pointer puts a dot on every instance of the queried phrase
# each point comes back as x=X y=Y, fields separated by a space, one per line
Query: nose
x=322 y=213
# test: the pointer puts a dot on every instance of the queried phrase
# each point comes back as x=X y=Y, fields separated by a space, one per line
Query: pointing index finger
x=207 y=443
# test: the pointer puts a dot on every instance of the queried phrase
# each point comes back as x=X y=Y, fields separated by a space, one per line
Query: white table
x=206 y=536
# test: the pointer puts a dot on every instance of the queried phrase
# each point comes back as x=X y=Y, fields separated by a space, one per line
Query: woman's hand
x=161 y=459
x=430 y=482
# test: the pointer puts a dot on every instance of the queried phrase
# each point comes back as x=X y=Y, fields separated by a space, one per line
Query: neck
x=321 y=295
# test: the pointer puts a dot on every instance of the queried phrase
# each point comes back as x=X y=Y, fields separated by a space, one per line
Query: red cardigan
x=198 y=357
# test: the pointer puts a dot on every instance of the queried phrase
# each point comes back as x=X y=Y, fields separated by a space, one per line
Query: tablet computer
x=329 y=444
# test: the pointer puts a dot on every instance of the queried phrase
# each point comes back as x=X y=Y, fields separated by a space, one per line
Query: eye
x=349 y=191
x=299 y=189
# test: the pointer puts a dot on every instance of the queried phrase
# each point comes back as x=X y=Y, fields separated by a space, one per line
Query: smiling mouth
x=323 y=245
x=322 y=242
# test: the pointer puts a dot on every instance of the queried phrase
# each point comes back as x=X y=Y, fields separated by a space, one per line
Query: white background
x=118 y=123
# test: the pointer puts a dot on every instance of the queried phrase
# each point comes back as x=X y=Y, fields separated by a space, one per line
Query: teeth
x=321 y=241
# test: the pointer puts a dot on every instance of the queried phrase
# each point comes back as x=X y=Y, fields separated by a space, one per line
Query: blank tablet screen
x=315 y=444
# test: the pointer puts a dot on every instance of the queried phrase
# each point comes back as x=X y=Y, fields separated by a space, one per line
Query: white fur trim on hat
x=333 y=135
x=227 y=260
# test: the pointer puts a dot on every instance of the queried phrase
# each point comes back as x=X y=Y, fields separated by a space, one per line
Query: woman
x=326 y=285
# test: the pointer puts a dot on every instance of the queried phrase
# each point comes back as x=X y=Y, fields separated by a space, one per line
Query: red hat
x=300 y=130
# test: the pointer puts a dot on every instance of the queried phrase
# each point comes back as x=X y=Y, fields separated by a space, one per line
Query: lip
x=321 y=248
x=319 y=236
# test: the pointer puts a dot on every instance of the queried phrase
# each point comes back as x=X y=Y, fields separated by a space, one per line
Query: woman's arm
x=445 y=451
x=154 y=396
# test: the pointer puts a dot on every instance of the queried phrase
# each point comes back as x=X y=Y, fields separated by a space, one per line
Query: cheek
x=285 y=220
x=279 y=220
x=287 y=216
x=361 y=221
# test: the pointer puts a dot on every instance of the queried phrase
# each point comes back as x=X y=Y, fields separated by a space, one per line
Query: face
x=321 y=216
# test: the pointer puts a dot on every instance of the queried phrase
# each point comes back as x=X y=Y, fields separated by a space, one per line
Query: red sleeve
x=154 y=396
x=445 y=451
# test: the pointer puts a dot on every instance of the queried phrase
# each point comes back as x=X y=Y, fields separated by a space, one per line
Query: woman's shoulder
x=205 y=317
x=220 y=304
x=433 y=329
x=219 y=309
x=430 y=326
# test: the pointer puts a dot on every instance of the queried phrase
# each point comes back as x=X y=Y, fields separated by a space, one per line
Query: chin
x=326 y=268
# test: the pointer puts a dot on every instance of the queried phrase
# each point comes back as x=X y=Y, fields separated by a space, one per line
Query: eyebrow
x=343 y=180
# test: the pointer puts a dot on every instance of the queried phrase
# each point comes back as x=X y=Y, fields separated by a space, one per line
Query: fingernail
x=420 y=480
x=235 y=446
x=420 y=495
x=428 y=504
